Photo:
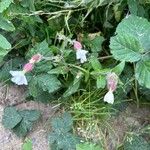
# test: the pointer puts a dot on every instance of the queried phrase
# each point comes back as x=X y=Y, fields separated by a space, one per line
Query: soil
x=132 y=117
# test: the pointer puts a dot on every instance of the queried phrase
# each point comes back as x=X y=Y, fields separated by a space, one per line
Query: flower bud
x=35 y=58
x=77 y=45
x=27 y=67
x=112 y=81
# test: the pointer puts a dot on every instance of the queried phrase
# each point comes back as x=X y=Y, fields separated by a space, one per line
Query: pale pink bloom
x=35 y=58
x=77 y=45
x=28 y=67
x=18 y=77
x=112 y=81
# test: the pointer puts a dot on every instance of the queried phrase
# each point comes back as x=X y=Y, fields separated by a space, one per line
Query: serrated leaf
x=4 y=4
x=27 y=145
x=88 y=146
x=119 y=68
x=62 y=124
x=6 y=24
x=29 y=116
x=136 y=143
x=4 y=44
x=137 y=27
x=125 y=48
x=142 y=73
x=101 y=81
x=10 y=117
x=48 y=82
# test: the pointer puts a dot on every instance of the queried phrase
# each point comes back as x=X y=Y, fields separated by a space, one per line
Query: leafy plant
x=61 y=137
x=27 y=145
x=20 y=121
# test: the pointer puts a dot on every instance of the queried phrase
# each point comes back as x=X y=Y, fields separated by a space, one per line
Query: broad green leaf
x=135 y=142
x=48 y=82
x=137 y=27
x=119 y=68
x=29 y=116
x=11 y=117
x=4 y=44
x=101 y=81
x=59 y=70
x=4 y=4
x=88 y=146
x=6 y=24
x=125 y=48
x=142 y=73
x=27 y=145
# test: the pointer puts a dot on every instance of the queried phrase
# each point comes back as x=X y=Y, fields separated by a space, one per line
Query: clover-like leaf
x=142 y=73
x=11 y=117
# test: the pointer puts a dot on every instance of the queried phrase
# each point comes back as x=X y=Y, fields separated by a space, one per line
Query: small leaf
x=125 y=48
x=6 y=24
x=27 y=145
x=142 y=73
x=4 y=4
x=4 y=44
x=96 y=44
x=11 y=117
x=133 y=6
x=95 y=63
x=101 y=81
x=119 y=68
x=74 y=86
x=59 y=70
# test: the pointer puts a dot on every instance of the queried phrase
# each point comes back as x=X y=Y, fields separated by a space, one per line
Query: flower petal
x=109 y=97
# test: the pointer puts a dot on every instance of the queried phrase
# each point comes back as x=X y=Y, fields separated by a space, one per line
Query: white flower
x=18 y=77
x=109 y=97
x=81 y=54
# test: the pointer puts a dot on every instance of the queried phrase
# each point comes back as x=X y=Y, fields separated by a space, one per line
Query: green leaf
x=135 y=142
x=27 y=145
x=29 y=116
x=96 y=44
x=119 y=68
x=142 y=73
x=95 y=63
x=4 y=44
x=6 y=24
x=133 y=6
x=137 y=27
x=4 y=4
x=74 y=86
x=59 y=70
x=88 y=146
x=11 y=117
x=101 y=81
x=48 y=82
x=125 y=48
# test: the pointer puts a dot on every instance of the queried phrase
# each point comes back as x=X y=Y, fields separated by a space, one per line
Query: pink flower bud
x=77 y=45
x=28 y=67
x=112 y=81
x=35 y=58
